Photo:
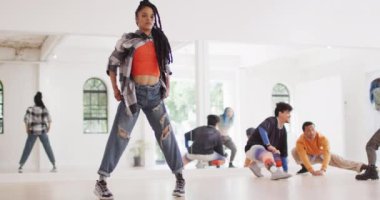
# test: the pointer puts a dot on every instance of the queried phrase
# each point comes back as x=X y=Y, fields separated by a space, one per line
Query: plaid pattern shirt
x=36 y=120
x=122 y=58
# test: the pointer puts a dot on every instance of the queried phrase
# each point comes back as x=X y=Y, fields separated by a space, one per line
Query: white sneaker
x=255 y=169
x=279 y=174
x=201 y=164
x=54 y=170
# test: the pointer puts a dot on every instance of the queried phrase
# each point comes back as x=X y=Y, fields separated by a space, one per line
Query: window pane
x=280 y=93
x=181 y=103
x=95 y=107
x=216 y=97
x=86 y=99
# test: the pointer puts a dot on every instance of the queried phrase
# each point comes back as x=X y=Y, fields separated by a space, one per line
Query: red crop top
x=145 y=61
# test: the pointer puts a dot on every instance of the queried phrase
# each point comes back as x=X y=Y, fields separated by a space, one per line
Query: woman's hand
x=117 y=94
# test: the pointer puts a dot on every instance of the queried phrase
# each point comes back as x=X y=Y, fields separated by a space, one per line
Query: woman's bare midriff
x=146 y=80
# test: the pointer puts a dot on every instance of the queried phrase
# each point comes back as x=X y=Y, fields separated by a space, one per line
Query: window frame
x=92 y=92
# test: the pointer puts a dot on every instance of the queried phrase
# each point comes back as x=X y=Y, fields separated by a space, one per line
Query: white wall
x=20 y=85
x=321 y=102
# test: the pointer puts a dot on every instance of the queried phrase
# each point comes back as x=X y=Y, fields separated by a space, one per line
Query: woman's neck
x=147 y=32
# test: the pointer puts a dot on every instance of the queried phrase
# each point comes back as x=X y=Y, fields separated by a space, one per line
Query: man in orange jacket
x=312 y=147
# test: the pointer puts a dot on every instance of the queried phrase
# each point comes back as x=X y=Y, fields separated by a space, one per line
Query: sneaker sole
x=284 y=177
x=102 y=198
x=177 y=194
x=370 y=179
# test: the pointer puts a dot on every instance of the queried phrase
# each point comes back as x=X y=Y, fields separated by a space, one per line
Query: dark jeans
x=372 y=146
x=227 y=141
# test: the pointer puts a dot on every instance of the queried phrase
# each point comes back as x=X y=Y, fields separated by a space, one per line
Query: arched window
x=95 y=104
x=280 y=93
x=1 y=108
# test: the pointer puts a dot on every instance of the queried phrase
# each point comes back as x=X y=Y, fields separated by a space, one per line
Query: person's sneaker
x=255 y=169
x=101 y=190
x=54 y=169
x=231 y=165
x=279 y=174
x=302 y=170
x=370 y=173
x=179 y=190
x=201 y=164
x=20 y=170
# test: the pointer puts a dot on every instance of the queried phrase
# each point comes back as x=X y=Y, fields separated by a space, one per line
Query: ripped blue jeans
x=149 y=100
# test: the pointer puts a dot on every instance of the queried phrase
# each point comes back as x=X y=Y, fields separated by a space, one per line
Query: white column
x=202 y=81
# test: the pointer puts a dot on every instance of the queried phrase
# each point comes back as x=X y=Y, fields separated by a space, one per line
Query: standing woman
x=37 y=122
x=142 y=59
x=226 y=121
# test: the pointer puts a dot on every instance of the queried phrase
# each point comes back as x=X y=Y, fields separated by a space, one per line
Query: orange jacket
x=318 y=146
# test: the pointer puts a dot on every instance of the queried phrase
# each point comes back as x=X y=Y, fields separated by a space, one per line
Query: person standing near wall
x=37 y=123
x=143 y=59
x=373 y=143
x=226 y=121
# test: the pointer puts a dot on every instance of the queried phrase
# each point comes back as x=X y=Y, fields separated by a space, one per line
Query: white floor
x=202 y=184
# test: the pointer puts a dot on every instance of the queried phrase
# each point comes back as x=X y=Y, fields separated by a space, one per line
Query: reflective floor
x=202 y=184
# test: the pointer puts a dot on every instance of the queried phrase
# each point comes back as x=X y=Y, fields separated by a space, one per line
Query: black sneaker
x=370 y=173
x=302 y=170
x=101 y=190
x=179 y=190
x=231 y=165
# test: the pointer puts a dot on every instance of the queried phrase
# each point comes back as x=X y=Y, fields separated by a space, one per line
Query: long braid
x=161 y=42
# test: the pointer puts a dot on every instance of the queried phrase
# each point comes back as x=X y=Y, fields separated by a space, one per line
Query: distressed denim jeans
x=149 y=100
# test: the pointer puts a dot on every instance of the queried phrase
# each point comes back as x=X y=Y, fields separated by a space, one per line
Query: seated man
x=268 y=145
x=312 y=147
x=207 y=143
x=371 y=147
x=249 y=131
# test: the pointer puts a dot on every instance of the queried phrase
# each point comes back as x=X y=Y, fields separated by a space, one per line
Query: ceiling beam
x=49 y=45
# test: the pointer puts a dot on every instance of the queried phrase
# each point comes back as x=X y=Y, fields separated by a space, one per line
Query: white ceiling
x=259 y=31
x=339 y=23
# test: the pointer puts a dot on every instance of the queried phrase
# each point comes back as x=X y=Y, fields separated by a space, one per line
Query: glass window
x=280 y=93
x=181 y=103
x=95 y=113
x=217 y=97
